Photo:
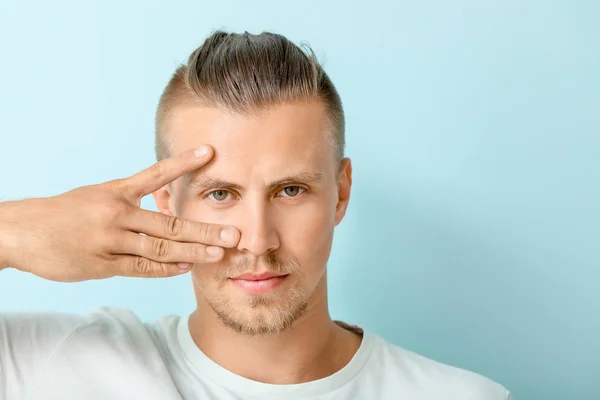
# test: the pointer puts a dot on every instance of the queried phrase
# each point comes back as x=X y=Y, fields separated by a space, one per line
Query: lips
x=262 y=283
x=258 y=277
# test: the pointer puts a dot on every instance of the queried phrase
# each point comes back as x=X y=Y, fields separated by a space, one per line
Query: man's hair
x=246 y=73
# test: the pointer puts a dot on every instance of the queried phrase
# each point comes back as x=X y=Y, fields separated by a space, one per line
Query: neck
x=312 y=348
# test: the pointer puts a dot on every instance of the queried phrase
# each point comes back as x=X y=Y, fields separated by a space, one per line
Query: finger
x=165 y=171
x=168 y=251
x=140 y=267
x=182 y=230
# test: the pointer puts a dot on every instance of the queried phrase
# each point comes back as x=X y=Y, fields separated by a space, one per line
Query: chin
x=261 y=314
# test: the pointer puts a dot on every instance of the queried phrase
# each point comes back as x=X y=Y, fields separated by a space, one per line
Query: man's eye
x=219 y=195
x=291 y=191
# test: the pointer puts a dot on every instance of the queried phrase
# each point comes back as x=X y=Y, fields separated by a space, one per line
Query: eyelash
x=302 y=190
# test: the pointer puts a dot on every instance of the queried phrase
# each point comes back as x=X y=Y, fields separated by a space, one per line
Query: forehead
x=290 y=137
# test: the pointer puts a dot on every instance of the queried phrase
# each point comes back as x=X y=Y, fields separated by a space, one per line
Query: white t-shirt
x=111 y=354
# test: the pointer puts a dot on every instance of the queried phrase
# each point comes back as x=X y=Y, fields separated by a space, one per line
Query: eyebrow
x=204 y=181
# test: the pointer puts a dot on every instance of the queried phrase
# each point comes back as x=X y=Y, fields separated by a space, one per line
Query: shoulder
x=31 y=341
x=46 y=331
x=39 y=349
x=433 y=377
x=59 y=323
x=111 y=333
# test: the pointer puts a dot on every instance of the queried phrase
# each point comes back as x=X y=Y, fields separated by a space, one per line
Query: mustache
x=245 y=264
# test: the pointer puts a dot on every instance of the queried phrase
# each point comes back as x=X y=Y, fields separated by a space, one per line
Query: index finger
x=170 y=227
x=166 y=171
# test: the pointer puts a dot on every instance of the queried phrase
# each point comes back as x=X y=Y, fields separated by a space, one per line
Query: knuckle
x=161 y=248
x=142 y=265
x=156 y=170
x=161 y=271
x=116 y=185
x=206 y=231
x=111 y=242
x=174 y=226
x=114 y=210
x=120 y=188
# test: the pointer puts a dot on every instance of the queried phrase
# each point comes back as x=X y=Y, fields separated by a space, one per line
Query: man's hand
x=93 y=232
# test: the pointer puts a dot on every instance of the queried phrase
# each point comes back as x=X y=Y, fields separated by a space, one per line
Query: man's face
x=274 y=178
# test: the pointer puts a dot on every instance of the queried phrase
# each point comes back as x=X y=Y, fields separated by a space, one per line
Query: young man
x=251 y=185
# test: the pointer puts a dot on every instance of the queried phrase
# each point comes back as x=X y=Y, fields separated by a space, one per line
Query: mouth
x=262 y=283
x=259 y=277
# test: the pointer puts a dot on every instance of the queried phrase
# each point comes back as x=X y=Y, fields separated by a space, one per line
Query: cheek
x=306 y=232
x=203 y=275
x=306 y=225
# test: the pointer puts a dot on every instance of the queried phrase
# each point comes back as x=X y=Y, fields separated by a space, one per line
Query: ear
x=162 y=197
x=344 y=186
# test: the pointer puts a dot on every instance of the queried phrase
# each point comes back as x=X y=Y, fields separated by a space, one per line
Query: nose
x=259 y=235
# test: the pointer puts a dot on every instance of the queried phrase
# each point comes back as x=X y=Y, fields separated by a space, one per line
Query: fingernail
x=201 y=151
x=214 y=251
x=184 y=266
x=228 y=235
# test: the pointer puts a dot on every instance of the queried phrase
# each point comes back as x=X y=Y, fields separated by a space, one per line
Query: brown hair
x=245 y=72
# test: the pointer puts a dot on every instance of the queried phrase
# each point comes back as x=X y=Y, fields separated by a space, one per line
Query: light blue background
x=473 y=231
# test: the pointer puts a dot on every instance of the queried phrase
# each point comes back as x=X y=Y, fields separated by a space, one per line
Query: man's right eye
x=219 y=195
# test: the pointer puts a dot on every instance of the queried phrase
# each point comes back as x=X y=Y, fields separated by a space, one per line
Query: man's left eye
x=291 y=191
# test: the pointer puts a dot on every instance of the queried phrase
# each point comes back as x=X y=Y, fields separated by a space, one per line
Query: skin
x=92 y=232
x=275 y=179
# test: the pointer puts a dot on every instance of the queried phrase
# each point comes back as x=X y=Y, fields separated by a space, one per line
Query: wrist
x=7 y=209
